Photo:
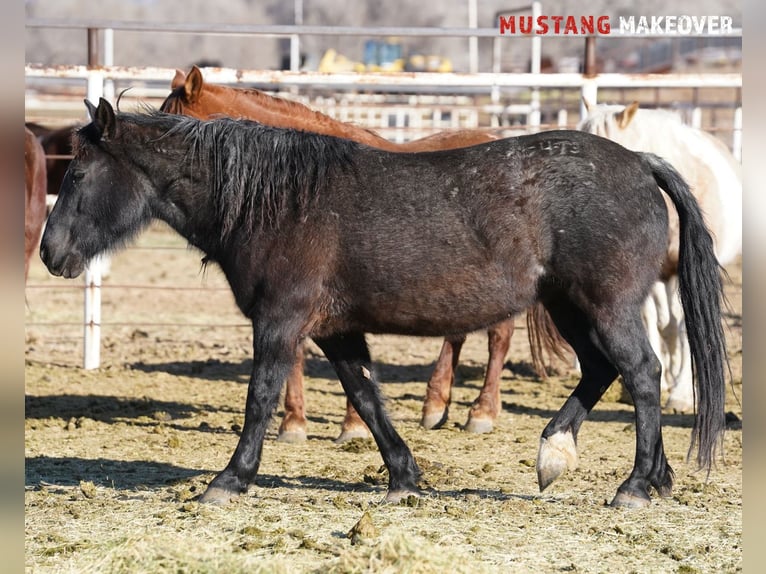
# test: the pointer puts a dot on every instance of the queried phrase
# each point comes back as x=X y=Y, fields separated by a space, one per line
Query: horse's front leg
x=350 y=357
x=439 y=388
x=294 y=423
x=273 y=358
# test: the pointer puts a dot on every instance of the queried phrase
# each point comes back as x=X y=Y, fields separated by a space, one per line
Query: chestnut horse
x=34 y=205
x=57 y=143
x=192 y=96
x=714 y=176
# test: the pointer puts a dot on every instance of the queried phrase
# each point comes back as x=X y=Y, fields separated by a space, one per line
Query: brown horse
x=57 y=143
x=34 y=205
x=192 y=96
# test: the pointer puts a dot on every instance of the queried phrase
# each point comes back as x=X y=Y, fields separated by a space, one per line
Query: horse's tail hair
x=544 y=336
x=701 y=292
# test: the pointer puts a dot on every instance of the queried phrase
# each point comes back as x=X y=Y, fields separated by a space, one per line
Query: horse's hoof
x=292 y=437
x=396 y=496
x=626 y=500
x=680 y=404
x=665 y=490
x=348 y=434
x=432 y=421
x=217 y=496
x=556 y=454
x=478 y=426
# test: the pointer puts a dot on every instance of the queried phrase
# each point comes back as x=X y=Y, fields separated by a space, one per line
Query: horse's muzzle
x=63 y=264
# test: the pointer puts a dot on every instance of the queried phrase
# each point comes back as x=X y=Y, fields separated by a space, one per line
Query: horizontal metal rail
x=431 y=80
x=277 y=30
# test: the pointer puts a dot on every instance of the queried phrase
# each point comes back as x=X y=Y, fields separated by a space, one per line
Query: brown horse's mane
x=271 y=110
x=284 y=112
x=293 y=107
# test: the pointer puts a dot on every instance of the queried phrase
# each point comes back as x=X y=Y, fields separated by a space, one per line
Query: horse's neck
x=281 y=113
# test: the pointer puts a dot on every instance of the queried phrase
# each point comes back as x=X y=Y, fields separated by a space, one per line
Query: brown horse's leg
x=439 y=389
x=353 y=426
x=293 y=427
x=486 y=407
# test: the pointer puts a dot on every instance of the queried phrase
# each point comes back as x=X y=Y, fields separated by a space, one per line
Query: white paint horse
x=714 y=176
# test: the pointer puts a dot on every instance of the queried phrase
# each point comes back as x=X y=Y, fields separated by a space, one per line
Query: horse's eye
x=76 y=174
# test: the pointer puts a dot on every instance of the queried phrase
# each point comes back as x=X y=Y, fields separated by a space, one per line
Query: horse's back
x=421 y=230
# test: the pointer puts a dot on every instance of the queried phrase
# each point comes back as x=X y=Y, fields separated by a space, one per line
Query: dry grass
x=115 y=459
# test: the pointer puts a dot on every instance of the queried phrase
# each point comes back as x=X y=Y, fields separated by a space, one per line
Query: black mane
x=256 y=172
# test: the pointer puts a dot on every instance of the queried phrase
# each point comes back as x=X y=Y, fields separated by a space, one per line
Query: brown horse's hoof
x=556 y=454
x=292 y=437
x=478 y=426
x=347 y=434
x=217 y=496
x=625 y=500
x=433 y=421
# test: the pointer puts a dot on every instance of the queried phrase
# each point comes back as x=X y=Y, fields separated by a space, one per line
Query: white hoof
x=292 y=437
x=347 y=435
x=478 y=426
x=432 y=421
x=556 y=454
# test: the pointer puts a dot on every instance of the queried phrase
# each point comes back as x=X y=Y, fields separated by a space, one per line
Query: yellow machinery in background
x=383 y=56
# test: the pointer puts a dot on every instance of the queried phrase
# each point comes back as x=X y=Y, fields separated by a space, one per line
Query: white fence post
x=92 y=306
x=736 y=138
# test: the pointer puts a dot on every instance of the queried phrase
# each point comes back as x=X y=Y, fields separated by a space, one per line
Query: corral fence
x=400 y=106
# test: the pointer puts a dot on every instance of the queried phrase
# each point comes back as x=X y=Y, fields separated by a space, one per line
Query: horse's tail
x=544 y=336
x=701 y=291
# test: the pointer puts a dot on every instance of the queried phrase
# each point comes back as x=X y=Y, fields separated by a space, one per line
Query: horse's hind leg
x=624 y=340
x=618 y=342
x=486 y=407
x=681 y=396
x=439 y=388
x=558 y=443
x=350 y=357
x=656 y=315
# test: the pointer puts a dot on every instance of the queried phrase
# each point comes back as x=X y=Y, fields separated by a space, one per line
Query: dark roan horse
x=329 y=239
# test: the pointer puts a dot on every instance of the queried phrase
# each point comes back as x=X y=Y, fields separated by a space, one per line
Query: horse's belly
x=457 y=302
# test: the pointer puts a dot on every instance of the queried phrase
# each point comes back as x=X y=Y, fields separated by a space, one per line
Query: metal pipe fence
x=467 y=100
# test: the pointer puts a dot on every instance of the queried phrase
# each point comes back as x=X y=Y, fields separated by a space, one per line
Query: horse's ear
x=626 y=115
x=91 y=109
x=178 y=79
x=193 y=85
x=104 y=119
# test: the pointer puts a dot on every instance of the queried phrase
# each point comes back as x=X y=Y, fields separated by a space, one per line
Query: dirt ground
x=115 y=457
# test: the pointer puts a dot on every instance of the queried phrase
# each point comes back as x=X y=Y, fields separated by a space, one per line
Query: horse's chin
x=71 y=267
x=73 y=271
